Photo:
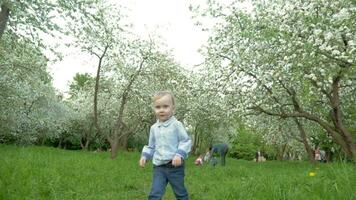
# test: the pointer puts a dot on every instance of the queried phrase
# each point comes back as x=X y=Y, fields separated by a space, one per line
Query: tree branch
x=4 y=18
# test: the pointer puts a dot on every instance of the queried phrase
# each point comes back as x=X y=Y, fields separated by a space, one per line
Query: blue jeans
x=168 y=173
x=221 y=150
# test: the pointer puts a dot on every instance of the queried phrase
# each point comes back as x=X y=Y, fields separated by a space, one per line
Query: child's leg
x=159 y=183
x=176 y=179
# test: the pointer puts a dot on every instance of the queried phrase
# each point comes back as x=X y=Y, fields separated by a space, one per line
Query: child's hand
x=177 y=161
x=142 y=161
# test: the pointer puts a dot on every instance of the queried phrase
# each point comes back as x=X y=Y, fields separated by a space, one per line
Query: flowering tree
x=289 y=59
x=30 y=110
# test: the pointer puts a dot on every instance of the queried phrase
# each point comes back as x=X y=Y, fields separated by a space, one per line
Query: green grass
x=49 y=173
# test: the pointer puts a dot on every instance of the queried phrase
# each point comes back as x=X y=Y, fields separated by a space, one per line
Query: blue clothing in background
x=221 y=150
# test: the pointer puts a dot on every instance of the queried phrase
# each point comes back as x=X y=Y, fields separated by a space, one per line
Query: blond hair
x=161 y=94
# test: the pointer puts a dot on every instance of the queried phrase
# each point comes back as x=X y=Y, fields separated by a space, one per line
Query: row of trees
x=31 y=112
x=105 y=111
x=293 y=61
x=279 y=78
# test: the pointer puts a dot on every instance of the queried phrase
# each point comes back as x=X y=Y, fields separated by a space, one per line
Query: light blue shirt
x=166 y=140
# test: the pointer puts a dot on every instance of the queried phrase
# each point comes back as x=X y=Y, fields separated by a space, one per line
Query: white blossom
x=335 y=52
x=328 y=48
x=317 y=31
x=318 y=41
x=328 y=36
x=343 y=14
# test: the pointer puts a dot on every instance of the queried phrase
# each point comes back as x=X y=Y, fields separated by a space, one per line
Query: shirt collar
x=167 y=122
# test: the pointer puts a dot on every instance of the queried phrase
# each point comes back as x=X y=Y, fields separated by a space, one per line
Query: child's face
x=163 y=108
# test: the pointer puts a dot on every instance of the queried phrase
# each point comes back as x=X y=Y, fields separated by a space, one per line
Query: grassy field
x=49 y=173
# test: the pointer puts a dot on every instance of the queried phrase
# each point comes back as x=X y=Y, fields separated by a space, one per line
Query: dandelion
x=312 y=173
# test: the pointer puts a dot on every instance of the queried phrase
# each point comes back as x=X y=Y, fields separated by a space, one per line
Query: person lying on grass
x=168 y=145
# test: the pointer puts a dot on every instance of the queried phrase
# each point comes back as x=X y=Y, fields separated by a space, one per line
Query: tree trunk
x=351 y=145
x=123 y=142
x=336 y=117
x=120 y=125
x=197 y=146
x=87 y=145
x=279 y=156
x=4 y=18
x=281 y=151
x=200 y=143
x=303 y=135
x=96 y=90
x=329 y=156
x=114 y=147
x=43 y=139
x=60 y=143
x=195 y=143
x=84 y=144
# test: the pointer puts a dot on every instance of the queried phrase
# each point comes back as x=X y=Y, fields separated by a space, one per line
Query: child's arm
x=185 y=143
x=148 y=150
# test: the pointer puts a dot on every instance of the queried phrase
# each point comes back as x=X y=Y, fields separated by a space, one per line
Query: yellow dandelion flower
x=312 y=173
